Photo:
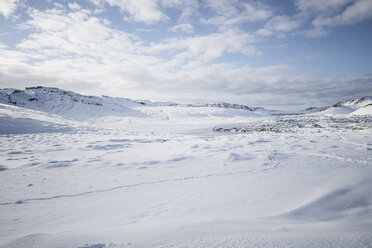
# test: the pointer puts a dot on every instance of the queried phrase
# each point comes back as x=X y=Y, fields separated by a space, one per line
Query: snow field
x=184 y=176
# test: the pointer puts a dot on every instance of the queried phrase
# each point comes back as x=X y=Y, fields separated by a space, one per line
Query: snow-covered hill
x=77 y=106
x=366 y=110
x=81 y=107
x=16 y=120
x=223 y=105
x=352 y=107
x=68 y=103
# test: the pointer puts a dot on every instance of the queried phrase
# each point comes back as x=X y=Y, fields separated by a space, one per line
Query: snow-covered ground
x=108 y=172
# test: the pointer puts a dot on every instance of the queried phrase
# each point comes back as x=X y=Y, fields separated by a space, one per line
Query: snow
x=79 y=107
x=366 y=110
x=351 y=107
x=181 y=176
x=341 y=110
x=68 y=104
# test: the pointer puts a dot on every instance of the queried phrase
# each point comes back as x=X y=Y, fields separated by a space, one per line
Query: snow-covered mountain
x=68 y=103
x=77 y=106
x=223 y=105
x=366 y=110
x=81 y=107
x=357 y=106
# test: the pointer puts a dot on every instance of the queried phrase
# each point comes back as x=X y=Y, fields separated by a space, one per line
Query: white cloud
x=226 y=14
x=184 y=27
x=74 y=6
x=146 y=11
x=8 y=7
x=77 y=32
x=75 y=49
x=69 y=48
x=208 y=47
x=98 y=3
x=326 y=14
x=321 y=5
x=213 y=82
x=280 y=24
x=357 y=12
x=188 y=8
x=151 y=11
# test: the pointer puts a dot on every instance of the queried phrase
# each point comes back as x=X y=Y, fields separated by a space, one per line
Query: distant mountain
x=81 y=107
x=77 y=106
x=314 y=109
x=223 y=105
x=351 y=107
x=68 y=103
x=348 y=107
x=366 y=110
x=361 y=101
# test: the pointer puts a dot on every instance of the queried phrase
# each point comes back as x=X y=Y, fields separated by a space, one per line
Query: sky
x=287 y=54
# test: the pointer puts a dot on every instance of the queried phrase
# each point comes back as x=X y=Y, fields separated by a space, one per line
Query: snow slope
x=366 y=110
x=348 y=107
x=178 y=176
x=67 y=103
x=80 y=107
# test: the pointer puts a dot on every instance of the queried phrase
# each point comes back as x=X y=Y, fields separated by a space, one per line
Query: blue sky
x=277 y=54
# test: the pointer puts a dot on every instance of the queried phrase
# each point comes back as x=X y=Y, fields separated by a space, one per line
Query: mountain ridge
x=58 y=101
x=75 y=105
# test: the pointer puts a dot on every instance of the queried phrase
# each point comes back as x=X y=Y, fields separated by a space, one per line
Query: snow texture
x=99 y=172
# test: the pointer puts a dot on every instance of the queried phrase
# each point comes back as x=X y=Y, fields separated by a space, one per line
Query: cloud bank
x=172 y=49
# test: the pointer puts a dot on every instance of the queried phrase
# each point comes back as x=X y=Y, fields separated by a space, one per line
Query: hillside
x=80 y=107
x=349 y=107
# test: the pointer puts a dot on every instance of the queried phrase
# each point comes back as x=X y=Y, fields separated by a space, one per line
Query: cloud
x=74 y=6
x=151 y=11
x=273 y=84
x=280 y=24
x=354 y=13
x=226 y=14
x=184 y=27
x=146 y=11
x=188 y=9
x=57 y=33
x=326 y=14
x=321 y=5
x=98 y=3
x=208 y=47
x=323 y=15
x=139 y=76
x=8 y=7
x=75 y=48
